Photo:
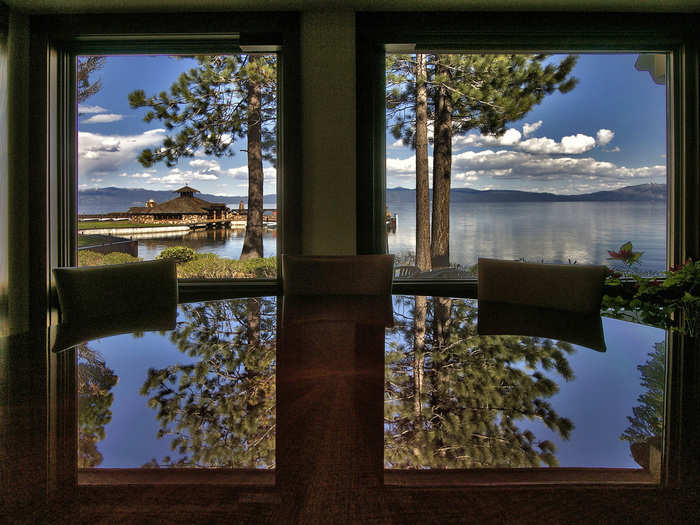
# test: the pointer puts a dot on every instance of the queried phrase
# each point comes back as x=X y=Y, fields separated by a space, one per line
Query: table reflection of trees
x=454 y=399
x=645 y=431
x=220 y=410
x=95 y=380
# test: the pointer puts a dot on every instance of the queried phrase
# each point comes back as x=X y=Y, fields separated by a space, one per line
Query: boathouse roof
x=186 y=189
x=185 y=203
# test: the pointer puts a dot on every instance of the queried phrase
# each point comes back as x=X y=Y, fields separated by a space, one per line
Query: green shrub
x=262 y=268
x=211 y=266
x=200 y=266
x=90 y=258
x=181 y=254
x=206 y=266
x=120 y=258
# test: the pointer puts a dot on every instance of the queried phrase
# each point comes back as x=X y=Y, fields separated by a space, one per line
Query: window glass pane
x=176 y=158
x=541 y=158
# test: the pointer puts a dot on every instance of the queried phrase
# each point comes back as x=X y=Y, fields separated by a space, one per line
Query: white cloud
x=142 y=175
x=531 y=128
x=570 y=145
x=100 y=154
x=91 y=109
x=401 y=167
x=520 y=165
x=578 y=143
x=510 y=138
x=103 y=118
x=179 y=177
x=206 y=166
x=558 y=173
x=604 y=136
x=241 y=173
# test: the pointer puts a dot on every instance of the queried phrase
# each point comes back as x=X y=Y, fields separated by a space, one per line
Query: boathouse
x=186 y=208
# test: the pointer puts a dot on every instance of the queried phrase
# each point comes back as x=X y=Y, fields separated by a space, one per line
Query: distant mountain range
x=105 y=200
x=641 y=192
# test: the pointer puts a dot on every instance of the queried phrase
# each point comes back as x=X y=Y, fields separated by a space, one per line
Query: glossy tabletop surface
x=435 y=393
x=406 y=409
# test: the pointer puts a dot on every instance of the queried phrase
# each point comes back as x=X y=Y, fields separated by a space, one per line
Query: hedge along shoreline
x=193 y=265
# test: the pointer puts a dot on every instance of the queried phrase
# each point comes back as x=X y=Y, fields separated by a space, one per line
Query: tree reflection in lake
x=95 y=380
x=454 y=399
x=219 y=411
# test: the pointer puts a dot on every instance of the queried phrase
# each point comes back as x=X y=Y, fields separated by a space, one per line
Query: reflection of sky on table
x=130 y=437
x=598 y=400
x=600 y=397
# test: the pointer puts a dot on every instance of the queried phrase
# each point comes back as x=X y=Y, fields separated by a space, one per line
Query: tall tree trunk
x=253 y=325
x=422 y=191
x=253 y=243
x=439 y=398
x=442 y=307
x=442 y=171
x=419 y=353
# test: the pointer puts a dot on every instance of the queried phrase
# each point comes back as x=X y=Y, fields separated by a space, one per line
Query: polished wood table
x=353 y=409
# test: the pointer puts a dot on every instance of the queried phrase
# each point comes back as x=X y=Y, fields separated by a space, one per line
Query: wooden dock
x=211 y=223
x=228 y=223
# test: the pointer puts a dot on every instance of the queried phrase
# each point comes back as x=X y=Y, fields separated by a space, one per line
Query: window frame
x=378 y=32
x=65 y=37
x=55 y=40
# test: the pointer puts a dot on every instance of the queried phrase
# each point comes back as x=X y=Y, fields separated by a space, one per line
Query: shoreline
x=117 y=231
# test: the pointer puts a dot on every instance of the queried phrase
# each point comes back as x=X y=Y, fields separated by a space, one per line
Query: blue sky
x=609 y=132
x=111 y=135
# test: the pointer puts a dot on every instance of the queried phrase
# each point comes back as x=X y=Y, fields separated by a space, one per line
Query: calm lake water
x=535 y=231
x=224 y=243
x=549 y=231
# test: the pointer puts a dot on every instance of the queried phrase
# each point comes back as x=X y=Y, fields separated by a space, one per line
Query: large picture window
x=557 y=140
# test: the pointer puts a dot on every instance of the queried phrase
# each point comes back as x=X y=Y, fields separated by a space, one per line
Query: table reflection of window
x=454 y=399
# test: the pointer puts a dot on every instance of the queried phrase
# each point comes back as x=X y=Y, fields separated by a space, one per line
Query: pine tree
x=223 y=99
x=647 y=421
x=95 y=380
x=466 y=92
x=86 y=66
x=475 y=391
x=219 y=411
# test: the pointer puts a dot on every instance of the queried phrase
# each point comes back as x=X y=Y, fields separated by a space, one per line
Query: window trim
x=53 y=184
x=64 y=37
x=571 y=32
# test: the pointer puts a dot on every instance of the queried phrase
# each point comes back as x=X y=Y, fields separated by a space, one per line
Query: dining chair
x=337 y=275
x=564 y=287
x=98 y=301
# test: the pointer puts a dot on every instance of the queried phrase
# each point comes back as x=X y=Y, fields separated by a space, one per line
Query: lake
x=549 y=231
x=534 y=231
x=222 y=242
